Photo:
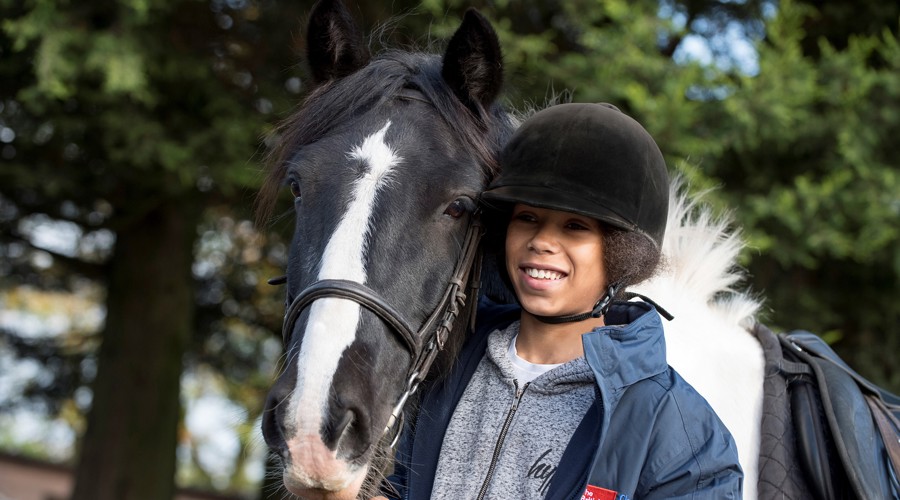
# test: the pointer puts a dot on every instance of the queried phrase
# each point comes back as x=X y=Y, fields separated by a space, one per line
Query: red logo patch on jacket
x=597 y=493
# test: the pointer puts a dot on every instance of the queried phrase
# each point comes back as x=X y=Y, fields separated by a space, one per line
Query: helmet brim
x=549 y=198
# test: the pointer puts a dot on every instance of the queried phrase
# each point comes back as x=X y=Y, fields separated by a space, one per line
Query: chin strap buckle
x=603 y=304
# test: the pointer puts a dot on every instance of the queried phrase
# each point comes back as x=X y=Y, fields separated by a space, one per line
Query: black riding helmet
x=589 y=159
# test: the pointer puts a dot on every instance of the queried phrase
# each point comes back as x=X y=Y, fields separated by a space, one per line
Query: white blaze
x=331 y=326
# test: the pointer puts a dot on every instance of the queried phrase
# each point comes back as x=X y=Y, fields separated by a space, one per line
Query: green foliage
x=813 y=166
x=813 y=142
x=112 y=110
x=163 y=95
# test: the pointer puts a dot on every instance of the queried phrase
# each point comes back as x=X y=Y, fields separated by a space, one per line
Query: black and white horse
x=385 y=159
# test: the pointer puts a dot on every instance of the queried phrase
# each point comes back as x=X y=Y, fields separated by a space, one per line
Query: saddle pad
x=780 y=475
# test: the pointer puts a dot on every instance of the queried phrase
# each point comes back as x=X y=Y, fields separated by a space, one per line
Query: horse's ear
x=334 y=43
x=473 y=64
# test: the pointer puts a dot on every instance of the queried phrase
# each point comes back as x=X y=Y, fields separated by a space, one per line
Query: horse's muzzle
x=315 y=472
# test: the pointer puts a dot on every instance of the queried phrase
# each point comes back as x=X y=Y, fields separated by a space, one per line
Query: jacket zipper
x=501 y=438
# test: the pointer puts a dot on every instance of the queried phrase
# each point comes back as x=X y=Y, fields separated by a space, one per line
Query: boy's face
x=554 y=260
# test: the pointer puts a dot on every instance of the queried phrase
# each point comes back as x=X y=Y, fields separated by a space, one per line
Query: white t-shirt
x=526 y=371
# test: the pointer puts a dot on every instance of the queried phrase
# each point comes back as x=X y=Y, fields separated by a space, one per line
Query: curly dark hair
x=628 y=258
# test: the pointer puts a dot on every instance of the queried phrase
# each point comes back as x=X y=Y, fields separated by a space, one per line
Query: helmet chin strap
x=598 y=310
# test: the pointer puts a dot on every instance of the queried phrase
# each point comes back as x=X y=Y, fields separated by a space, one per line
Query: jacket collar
x=630 y=349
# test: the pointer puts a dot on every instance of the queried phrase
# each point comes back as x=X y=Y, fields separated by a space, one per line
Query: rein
x=423 y=344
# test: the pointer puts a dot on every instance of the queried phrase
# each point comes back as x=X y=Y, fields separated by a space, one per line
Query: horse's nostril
x=341 y=421
x=271 y=429
x=346 y=428
x=344 y=423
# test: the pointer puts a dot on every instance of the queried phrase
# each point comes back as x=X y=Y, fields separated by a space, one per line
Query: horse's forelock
x=385 y=78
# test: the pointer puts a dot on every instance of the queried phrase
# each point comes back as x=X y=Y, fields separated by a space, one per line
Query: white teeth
x=543 y=274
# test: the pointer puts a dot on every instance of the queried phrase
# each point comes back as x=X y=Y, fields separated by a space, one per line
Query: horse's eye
x=295 y=189
x=456 y=209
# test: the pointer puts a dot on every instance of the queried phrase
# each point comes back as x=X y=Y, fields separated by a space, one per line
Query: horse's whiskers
x=381 y=461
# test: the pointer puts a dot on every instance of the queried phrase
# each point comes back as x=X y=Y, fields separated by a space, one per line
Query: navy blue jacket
x=649 y=434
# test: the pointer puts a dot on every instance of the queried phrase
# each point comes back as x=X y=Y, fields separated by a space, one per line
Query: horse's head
x=385 y=159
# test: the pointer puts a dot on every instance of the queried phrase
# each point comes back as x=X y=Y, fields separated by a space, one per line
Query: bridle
x=428 y=340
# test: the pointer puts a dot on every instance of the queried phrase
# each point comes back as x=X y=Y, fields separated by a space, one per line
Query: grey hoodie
x=505 y=439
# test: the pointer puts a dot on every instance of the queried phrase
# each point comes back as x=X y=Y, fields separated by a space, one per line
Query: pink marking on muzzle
x=315 y=472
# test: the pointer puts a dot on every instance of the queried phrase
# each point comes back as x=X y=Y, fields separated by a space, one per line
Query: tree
x=131 y=118
x=809 y=159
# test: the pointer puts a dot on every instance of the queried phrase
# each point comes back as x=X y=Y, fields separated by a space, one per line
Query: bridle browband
x=423 y=344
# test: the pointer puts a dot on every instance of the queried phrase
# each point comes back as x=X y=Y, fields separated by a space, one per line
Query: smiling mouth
x=543 y=274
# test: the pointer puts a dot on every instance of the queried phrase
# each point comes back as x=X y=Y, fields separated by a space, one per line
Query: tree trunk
x=128 y=450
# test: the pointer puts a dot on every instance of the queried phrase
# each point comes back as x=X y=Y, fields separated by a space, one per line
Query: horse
x=385 y=160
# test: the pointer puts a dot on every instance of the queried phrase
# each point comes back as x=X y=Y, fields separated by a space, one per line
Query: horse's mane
x=700 y=252
x=386 y=77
